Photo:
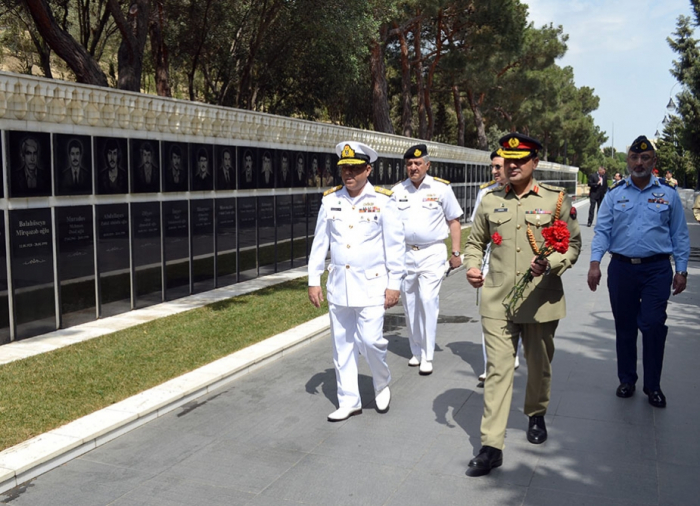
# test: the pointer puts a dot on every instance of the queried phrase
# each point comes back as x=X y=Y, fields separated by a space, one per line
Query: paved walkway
x=264 y=439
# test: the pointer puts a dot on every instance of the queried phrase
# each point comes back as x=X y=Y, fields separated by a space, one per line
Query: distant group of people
x=389 y=245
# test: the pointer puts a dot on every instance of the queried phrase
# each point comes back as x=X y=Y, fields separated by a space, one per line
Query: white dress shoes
x=482 y=377
x=382 y=400
x=414 y=362
x=426 y=367
x=517 y=363
x=341 y=414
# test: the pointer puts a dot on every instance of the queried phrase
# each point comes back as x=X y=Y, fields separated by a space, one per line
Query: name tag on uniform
x=500 y=210
x=336 y=209
x=403 y=200
x=623 y=201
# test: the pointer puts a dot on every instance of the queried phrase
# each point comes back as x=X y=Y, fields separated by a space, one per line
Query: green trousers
x=501 y=337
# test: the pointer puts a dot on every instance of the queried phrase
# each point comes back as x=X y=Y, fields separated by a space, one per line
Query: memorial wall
x=115 y=200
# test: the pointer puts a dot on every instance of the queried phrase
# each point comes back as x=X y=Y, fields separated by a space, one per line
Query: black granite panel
x=299 y=172
x=225 y=162
x=146 y=250
x=247 y=238
x=202 y=226
x=284 y=173
x=29 y=164
x=145 y=166
x=176 y=167
x=379 y=174
x=176 y=249
x=327 y=169
x=72 y=164
x=31 y=249
x=113 y=264
x=266 y=176
x=283 y=213
x=248 y=168
x=4 y=307
x=75 y=243
x=299 y=225
x=266 y=235
x=111 y=175
x=201 y=165
x=226 y=252
x=314 y=206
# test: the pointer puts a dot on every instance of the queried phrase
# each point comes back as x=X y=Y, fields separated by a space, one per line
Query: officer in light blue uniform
x=641 y=223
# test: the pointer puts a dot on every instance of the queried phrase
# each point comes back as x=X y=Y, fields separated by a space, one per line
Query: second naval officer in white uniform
x=429 y=211
x=360 y=224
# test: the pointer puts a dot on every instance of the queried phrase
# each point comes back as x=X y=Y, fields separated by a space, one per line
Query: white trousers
x=421 y=297
x=355 y=330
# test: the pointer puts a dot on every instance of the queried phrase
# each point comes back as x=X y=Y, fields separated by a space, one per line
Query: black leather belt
x=645 y=260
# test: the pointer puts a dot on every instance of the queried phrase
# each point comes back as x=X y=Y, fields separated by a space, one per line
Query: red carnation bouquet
x=556 y=238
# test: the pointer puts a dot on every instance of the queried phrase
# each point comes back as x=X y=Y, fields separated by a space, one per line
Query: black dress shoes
x=625 y=390
x=656 y=398
x=537 y=430
x=487 y=459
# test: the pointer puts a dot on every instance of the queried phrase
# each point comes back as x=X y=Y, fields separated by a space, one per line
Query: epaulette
x=667 y=183
x=496 y=188
x=486 y=185
x=617 y=184
x=552 y=187
x=332 y=190
x=383 y=191
x=444 y=181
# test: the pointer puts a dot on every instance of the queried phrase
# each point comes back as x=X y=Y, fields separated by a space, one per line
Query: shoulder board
x=617 y=184
x=552 y=187
x=495 y=189
x=383 y=191
x=332 y=190
x=444 y=181
x=486 y=185
x=667 y=183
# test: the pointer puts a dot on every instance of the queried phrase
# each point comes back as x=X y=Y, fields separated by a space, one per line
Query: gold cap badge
x=513 y=142
x=417 y=153
x=643 y=145
x=348 y=152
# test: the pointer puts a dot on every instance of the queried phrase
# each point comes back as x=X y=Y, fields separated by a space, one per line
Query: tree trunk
x=160 y=51
x=134 y=30
x=84 y=67
x=482 y=141
x=406 y=113
x=460 y=115
x=422 y=128
x=380 y=100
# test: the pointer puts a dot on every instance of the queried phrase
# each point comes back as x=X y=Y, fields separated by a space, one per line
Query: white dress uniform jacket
x=425 y=210
x=367 y=247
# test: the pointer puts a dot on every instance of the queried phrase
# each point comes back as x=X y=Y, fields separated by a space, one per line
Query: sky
x=619 y=49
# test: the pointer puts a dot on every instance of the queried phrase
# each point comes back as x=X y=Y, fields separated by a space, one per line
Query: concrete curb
x=40 y=454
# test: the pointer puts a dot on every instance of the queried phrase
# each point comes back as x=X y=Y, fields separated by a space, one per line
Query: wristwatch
x=683 y=273
x=456 y=253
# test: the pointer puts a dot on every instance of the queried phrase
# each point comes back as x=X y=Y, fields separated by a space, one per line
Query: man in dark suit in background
x=598 y=183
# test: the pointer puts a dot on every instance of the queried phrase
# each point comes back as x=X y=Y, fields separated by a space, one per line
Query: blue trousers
x=638 y=296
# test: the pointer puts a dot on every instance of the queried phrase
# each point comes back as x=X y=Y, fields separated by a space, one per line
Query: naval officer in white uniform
x=360 y=224
x=429 y=211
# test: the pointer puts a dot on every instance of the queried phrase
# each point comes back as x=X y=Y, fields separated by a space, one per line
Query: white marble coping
x=52 y=449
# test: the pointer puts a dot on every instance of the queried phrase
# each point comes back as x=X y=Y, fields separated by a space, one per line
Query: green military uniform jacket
x=503 y=212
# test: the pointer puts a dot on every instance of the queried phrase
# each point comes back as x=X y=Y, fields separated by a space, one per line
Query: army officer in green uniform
x=512 y=218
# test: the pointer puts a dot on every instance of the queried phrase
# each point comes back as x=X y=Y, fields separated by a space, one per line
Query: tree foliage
x=684 y=135
x=456 y=71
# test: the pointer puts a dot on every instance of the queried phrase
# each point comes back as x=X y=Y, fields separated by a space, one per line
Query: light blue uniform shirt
x=642 y=223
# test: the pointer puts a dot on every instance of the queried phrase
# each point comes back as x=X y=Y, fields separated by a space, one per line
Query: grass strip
x=46 y=391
